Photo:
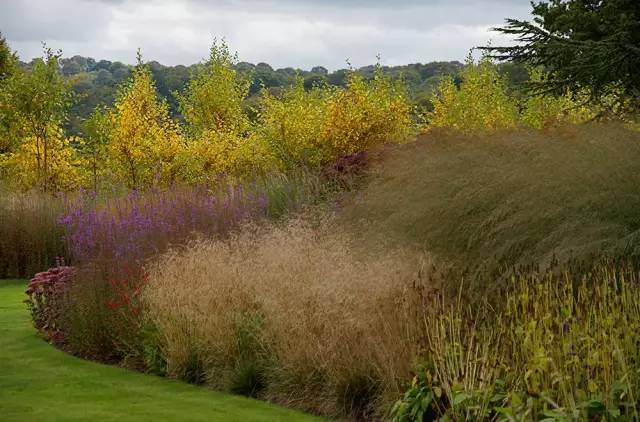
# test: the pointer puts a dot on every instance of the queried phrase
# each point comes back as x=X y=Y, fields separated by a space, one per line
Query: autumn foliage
x=137 y=144
x=480 y=102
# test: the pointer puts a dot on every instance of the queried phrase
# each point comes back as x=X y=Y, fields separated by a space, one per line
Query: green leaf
x=426 y=400
x=460 y=398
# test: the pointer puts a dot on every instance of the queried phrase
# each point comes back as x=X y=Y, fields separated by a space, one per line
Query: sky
x=283 y=33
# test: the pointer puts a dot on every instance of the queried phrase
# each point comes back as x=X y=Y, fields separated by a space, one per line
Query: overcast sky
x=297 y=33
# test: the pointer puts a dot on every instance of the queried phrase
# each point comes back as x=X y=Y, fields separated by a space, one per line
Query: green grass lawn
x=41 y=383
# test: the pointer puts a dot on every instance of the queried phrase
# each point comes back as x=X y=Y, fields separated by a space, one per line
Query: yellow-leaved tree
x=64 y=168
x=93 y=145
x=9 y=127
x=144 y=143
x=480 y=103
x=222 y=140
x=213 y=98
x=293 y=123
x=35 y=104
x=366 y=113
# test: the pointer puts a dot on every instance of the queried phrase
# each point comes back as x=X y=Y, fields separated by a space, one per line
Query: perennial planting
x=180 y=263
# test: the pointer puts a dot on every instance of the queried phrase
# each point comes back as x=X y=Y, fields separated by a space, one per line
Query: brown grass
x=30 y=237
x=310 y=319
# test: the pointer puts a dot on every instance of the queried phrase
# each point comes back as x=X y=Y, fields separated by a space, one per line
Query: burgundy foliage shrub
x=343 y=172
x=46 y=298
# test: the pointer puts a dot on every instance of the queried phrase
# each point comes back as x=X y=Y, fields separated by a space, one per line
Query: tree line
x=135 y=137
x=95 y=82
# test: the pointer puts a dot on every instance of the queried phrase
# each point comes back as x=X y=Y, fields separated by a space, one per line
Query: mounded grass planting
x=513 y=197
x=337 y=314
x=299 y=315
x=30 y=237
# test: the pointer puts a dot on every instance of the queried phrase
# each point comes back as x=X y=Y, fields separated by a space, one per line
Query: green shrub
x=417 y=404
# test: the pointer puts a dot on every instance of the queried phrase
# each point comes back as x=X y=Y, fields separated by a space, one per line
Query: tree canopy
x=591 y=45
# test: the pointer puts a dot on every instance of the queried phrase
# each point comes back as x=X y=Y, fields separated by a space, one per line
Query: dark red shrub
x=346 y=169
x=46 y=296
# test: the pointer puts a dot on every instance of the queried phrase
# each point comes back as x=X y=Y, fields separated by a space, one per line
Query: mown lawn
x=39 y=382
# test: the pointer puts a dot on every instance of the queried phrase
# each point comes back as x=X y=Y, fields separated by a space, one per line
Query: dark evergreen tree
x=583 y=44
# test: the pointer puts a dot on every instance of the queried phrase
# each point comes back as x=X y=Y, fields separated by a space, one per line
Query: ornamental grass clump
x=298 y=314
x=30 y=237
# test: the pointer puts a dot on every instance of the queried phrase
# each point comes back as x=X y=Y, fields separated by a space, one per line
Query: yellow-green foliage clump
x=317 y=127
x=25 y=167
x=543 y=111
x=480 y=103
x=143 y=140
x=213 y=98
x=292 y=124
x=367 y=113
x=557 y=348
x=226 y=153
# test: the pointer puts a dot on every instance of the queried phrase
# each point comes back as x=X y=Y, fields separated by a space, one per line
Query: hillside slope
x=509 y=198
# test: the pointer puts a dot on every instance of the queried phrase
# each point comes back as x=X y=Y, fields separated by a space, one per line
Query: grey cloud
x=36 y=20
x=299 y=33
